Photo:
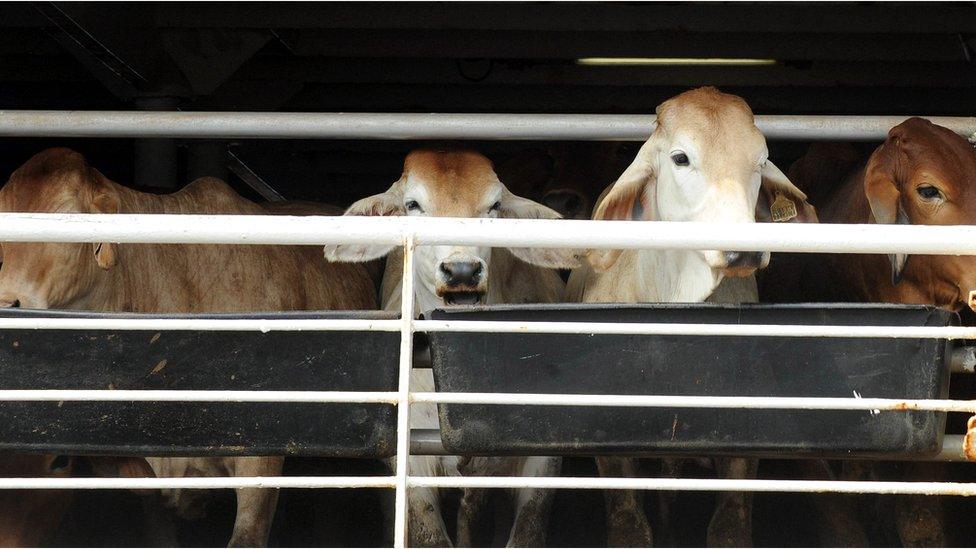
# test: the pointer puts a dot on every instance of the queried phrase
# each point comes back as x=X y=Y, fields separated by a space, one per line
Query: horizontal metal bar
x=637 y=328
x=703 y=485
x=205 y=324
x=871 y=405
x=192 y=483
x=267 y=125
x=167 y=395
x=427 y=442
x=477 y=326
x=576 y=234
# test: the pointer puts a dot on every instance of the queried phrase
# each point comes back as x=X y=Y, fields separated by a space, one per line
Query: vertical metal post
x=403 y=403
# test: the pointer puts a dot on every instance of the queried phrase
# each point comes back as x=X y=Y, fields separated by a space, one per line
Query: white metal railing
x=411 y=232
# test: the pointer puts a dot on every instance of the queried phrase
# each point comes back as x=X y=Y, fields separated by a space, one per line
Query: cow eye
x=60 y=463
x=495 y=207
x=679 y=159
x=413 y=206
x=928 y=192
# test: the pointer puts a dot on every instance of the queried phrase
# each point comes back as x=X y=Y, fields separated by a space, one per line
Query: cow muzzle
x=461 y=282
x=9 y=302
x=744 y=263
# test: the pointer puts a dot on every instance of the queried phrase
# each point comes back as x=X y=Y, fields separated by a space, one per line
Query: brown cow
x=567 y=176
x=923 y=174
x=152 y=278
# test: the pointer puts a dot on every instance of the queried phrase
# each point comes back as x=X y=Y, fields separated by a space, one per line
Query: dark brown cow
x=567 y=177
x=923 y=174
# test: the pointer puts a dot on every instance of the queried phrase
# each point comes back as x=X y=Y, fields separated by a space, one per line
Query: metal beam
x=583 y=127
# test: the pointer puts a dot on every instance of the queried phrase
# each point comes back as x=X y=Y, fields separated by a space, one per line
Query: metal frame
x=410 y=233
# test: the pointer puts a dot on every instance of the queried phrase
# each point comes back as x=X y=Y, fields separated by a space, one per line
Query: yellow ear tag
x=782 y=208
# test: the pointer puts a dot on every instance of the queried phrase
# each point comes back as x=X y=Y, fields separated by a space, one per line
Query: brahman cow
x=463 y=184
x=153 y=278
x=923 y=174
x=705 y=161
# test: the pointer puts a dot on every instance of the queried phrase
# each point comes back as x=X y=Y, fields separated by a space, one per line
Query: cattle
x=458 y=183
x=566 y=176
x=153 y=278
x=705 y=161
x=923 y=174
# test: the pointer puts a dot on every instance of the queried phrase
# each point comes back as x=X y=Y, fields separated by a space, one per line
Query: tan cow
x=705 y=161
x=463 y=184
x=152 y=278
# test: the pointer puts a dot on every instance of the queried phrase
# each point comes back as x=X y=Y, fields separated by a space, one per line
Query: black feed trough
x=195 y=360
x=692 y=365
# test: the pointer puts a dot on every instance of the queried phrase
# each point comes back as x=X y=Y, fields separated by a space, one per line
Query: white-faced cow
x=463 y=184
x=705 y=161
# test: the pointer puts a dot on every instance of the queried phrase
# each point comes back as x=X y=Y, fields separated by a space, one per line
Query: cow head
x=566 y=176
x=705 y=161
x=924 y=174
x=45 y=275
x=27 y=517
x=452 y=184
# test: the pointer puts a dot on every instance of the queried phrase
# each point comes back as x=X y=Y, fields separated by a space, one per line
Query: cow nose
x=568 y=203
x=9 y=303
x=743 y=259
x=461 y=273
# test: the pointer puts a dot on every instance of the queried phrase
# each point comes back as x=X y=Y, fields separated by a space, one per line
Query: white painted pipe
x=475 y=326
x=203 y=324
x=685 y=401
x=167 y=395
x=192 y=483
x=275 y=125
x=638 y=328
x=703 y=485
x=316 y=230
x=400 y=499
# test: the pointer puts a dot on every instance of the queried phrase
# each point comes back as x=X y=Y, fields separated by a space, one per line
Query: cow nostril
x=459 y=273
x=742 y=259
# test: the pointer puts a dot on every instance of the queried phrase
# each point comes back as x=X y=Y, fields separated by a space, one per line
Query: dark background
x=833 y=58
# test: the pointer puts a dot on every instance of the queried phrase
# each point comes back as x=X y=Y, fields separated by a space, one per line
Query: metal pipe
x=427 y=442
x=563 y=233
x=870 y=405
x=511 y=327
x=543 y=127
x=167 y=395
x=703 y=485
x=194 y=483
x=402 y=472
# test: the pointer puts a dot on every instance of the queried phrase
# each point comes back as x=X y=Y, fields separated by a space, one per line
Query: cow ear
x=515 y=207
x=885 y=199
x=626 y=199
x=106 y=253
x=122 y=467
x=782 y=201
x=383 y=204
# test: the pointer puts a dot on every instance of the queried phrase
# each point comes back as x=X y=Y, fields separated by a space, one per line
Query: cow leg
x=159 y=521
x=920 y=519
x=670 y=468
x=255 y=506
x=425 y=521
x=532 y=505
x=731 y=524
x=626 y=524
x=470 y=512
x=839 y=523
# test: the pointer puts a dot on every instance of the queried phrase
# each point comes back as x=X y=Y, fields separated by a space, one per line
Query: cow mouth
x=463 y=298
